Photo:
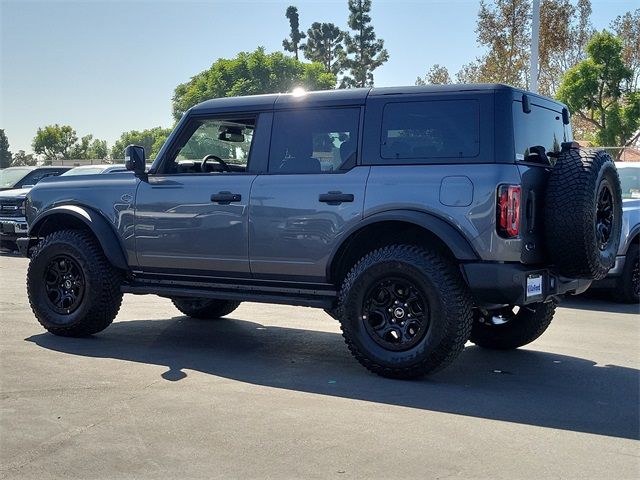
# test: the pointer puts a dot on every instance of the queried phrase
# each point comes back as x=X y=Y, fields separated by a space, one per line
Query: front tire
x=72 y=288
x=506 y=329
x=628 y=284
x=405 y=311
x=204 y=308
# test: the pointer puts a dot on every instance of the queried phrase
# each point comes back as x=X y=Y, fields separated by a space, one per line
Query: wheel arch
x=632 y=239
x=79 y=217
x=397 y=226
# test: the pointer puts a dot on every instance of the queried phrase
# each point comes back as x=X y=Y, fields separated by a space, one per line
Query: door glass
x=314 y=141
x=214 y=146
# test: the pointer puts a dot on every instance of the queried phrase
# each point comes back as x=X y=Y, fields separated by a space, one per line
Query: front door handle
x=225 y=198
x=335 y=198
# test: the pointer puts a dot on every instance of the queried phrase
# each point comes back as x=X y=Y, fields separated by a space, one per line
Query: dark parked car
x=20 y=177
x=419 y=217
x=13 y=223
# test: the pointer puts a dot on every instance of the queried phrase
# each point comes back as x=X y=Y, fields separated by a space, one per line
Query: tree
x=22 y=159
x=594 y=91
x=89 y=148
x=5 y=154
x=250 y=73
x=99 y=149
x=324 y=46
x=367 y=52
x=151 y=139
x=296 y=36
x=627 y=28
x=54 y=141
x=437 y=75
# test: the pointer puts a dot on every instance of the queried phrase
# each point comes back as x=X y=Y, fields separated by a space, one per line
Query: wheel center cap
x=398 y=312
x=67 y=284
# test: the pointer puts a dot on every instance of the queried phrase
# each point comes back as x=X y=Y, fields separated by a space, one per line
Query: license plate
x=534 y=286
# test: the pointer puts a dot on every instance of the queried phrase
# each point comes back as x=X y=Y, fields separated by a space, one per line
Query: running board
x=287 y=296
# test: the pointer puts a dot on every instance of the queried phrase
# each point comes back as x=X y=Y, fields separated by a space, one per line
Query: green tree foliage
x=250 y=73
x=5 y=154
x=22 y=159
x=151 y=139
x=292 y=44
x=89 y=148
x=627 y=28
x=437 y=75
x=324 y=46
x=366 y=51
x=54 y=141
x=595 y=91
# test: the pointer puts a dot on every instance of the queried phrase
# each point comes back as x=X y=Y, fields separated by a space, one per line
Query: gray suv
x=419 y=217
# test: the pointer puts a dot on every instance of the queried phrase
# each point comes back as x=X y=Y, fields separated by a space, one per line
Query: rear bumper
x=506 y=283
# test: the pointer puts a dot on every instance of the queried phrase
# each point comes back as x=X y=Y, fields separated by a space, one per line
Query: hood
x=15 y=193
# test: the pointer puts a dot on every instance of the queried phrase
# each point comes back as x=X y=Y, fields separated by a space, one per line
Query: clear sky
x=106 y=66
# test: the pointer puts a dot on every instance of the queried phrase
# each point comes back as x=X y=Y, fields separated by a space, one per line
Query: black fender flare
x=451 y=236
x=100 y=227
x=629 y=241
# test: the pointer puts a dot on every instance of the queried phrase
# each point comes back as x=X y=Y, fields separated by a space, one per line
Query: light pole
x=535 y=41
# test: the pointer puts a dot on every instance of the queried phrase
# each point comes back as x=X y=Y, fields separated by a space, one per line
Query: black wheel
x=583 y=213
x=405 y=311
x=72 y=288
x=511 y=327
x=204 y=308
x=628 y=284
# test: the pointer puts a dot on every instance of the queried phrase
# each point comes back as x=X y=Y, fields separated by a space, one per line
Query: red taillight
x=508 y=210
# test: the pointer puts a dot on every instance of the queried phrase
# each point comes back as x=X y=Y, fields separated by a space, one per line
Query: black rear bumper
x=506 y=283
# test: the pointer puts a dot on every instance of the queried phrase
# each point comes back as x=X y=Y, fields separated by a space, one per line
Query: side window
x=430 y=130
x=212 y=146
x=314 y=141
x=540 y=127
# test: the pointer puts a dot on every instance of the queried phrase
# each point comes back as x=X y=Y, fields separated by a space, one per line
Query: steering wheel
x=223 y=164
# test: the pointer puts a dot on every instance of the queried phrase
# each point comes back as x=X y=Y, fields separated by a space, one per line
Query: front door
x=192 y=215
x=313 y=194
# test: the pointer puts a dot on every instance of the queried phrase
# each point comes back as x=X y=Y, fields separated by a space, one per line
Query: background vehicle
x=13 y=223
x=419 y=217
x=19 y=177
x=623 y=280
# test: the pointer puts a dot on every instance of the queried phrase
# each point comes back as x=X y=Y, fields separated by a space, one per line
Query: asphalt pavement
x=272 y=392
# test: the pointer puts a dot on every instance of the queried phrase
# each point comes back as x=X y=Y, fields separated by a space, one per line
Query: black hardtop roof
x=351 y=96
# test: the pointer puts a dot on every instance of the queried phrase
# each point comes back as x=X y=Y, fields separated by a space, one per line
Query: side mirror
x=134 y=159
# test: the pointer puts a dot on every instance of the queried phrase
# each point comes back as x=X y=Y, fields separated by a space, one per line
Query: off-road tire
x=102 y=297
x=206 y=309
x=527 y=324
x=449 y=302
x=571 y=213
x=626 y=289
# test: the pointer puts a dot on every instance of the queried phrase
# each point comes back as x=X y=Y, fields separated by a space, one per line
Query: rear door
x=312 y=194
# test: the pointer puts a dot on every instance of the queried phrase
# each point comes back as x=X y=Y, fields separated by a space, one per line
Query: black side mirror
x=134 y=159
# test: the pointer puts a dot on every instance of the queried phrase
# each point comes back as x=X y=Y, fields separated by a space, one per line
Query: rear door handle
x=335 y=198
x=225 y=198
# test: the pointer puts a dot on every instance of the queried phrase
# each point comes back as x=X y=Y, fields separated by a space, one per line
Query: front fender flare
x=101 y=228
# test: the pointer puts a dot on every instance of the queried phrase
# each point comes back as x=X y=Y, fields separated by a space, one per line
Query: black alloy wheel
x=64 y=284
x=604 y=215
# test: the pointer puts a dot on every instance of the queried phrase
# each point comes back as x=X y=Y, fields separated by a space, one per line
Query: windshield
x=83 y=171
x=630 y=181
x=10 y=176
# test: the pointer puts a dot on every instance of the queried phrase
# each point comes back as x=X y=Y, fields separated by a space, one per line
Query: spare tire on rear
x=583 y=213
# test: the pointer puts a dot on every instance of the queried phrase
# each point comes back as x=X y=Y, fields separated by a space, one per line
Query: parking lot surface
x=272 y=392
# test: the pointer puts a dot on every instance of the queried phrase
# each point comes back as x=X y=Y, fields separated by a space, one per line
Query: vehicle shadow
x=601 y=301
x=523 y=386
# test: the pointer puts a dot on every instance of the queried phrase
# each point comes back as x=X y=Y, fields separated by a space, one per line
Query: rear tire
x=628 y=284
x=519 y=329
x=583 y=213
x=405 y=311
x=73 y=289
x=204 y=308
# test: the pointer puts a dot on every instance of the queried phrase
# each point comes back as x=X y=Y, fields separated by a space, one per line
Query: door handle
x=335 y=198
x=225 y=198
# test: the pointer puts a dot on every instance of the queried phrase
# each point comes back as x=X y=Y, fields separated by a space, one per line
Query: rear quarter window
x=540 y=127
x=430 y=131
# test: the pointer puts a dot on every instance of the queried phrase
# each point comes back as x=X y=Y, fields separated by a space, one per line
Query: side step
x=304 y=297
